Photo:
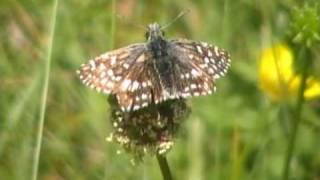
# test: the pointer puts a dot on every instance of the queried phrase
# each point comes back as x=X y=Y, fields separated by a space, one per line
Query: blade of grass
x=39 y=135
x=297 y=116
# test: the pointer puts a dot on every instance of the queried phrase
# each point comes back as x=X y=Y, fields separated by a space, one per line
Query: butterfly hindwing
x=136 y=89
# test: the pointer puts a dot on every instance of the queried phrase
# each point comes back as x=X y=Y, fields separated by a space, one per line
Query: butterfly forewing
x=105 y=72
x=124 y=72
x=200 y=64
x=136 y=90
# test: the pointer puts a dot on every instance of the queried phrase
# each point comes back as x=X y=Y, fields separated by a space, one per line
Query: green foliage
x=305 y=25
x=236 y=133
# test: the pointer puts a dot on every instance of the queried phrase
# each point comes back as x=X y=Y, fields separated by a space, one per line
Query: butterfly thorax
x=156 y=42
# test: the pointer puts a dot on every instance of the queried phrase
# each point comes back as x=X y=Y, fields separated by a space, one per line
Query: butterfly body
x=155 y=71
x=162 y=61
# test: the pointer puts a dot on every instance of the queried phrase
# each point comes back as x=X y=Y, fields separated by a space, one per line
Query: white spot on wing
x=210 y=71
x=144 y=96
x=206 y=60
x=135 y=85
x=118 y=78
x=136 y=107
x=125 y=84
x=102 y=74
x=216 y=50
x=105 y=56
x=144 y=84
x=110 y=84
x=199 y=49
x=216 y=76
x=187 y=75
x=103 y=81
x=125 y=65
x=110 y=72
x=102 y=67
x=204 y=44
x=195 y=73
x=113 y=60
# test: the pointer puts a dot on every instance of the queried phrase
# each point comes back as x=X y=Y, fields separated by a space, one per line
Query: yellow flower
x=277 y=77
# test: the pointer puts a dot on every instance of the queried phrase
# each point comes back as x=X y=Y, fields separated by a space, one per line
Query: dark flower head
x=148 y=130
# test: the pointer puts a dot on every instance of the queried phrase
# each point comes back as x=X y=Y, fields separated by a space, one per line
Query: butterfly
x=157 y=70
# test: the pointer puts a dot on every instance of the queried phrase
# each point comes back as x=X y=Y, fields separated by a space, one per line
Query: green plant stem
x=165 y=170
x=296 y=116
x=36 y=157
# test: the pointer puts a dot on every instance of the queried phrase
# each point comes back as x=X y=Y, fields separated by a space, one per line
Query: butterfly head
x=154 y=32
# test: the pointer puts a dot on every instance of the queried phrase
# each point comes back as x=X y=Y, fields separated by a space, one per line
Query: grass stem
x=297 y=115
x=36 y=157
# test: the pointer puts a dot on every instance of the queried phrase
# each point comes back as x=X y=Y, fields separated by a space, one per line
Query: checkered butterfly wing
x=200 y=65
x=130 y=74
x=122 y=72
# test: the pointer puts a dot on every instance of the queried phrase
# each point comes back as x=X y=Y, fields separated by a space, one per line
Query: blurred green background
x=237 y=133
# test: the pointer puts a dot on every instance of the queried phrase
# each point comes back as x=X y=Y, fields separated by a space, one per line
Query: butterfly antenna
x=176 y=18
